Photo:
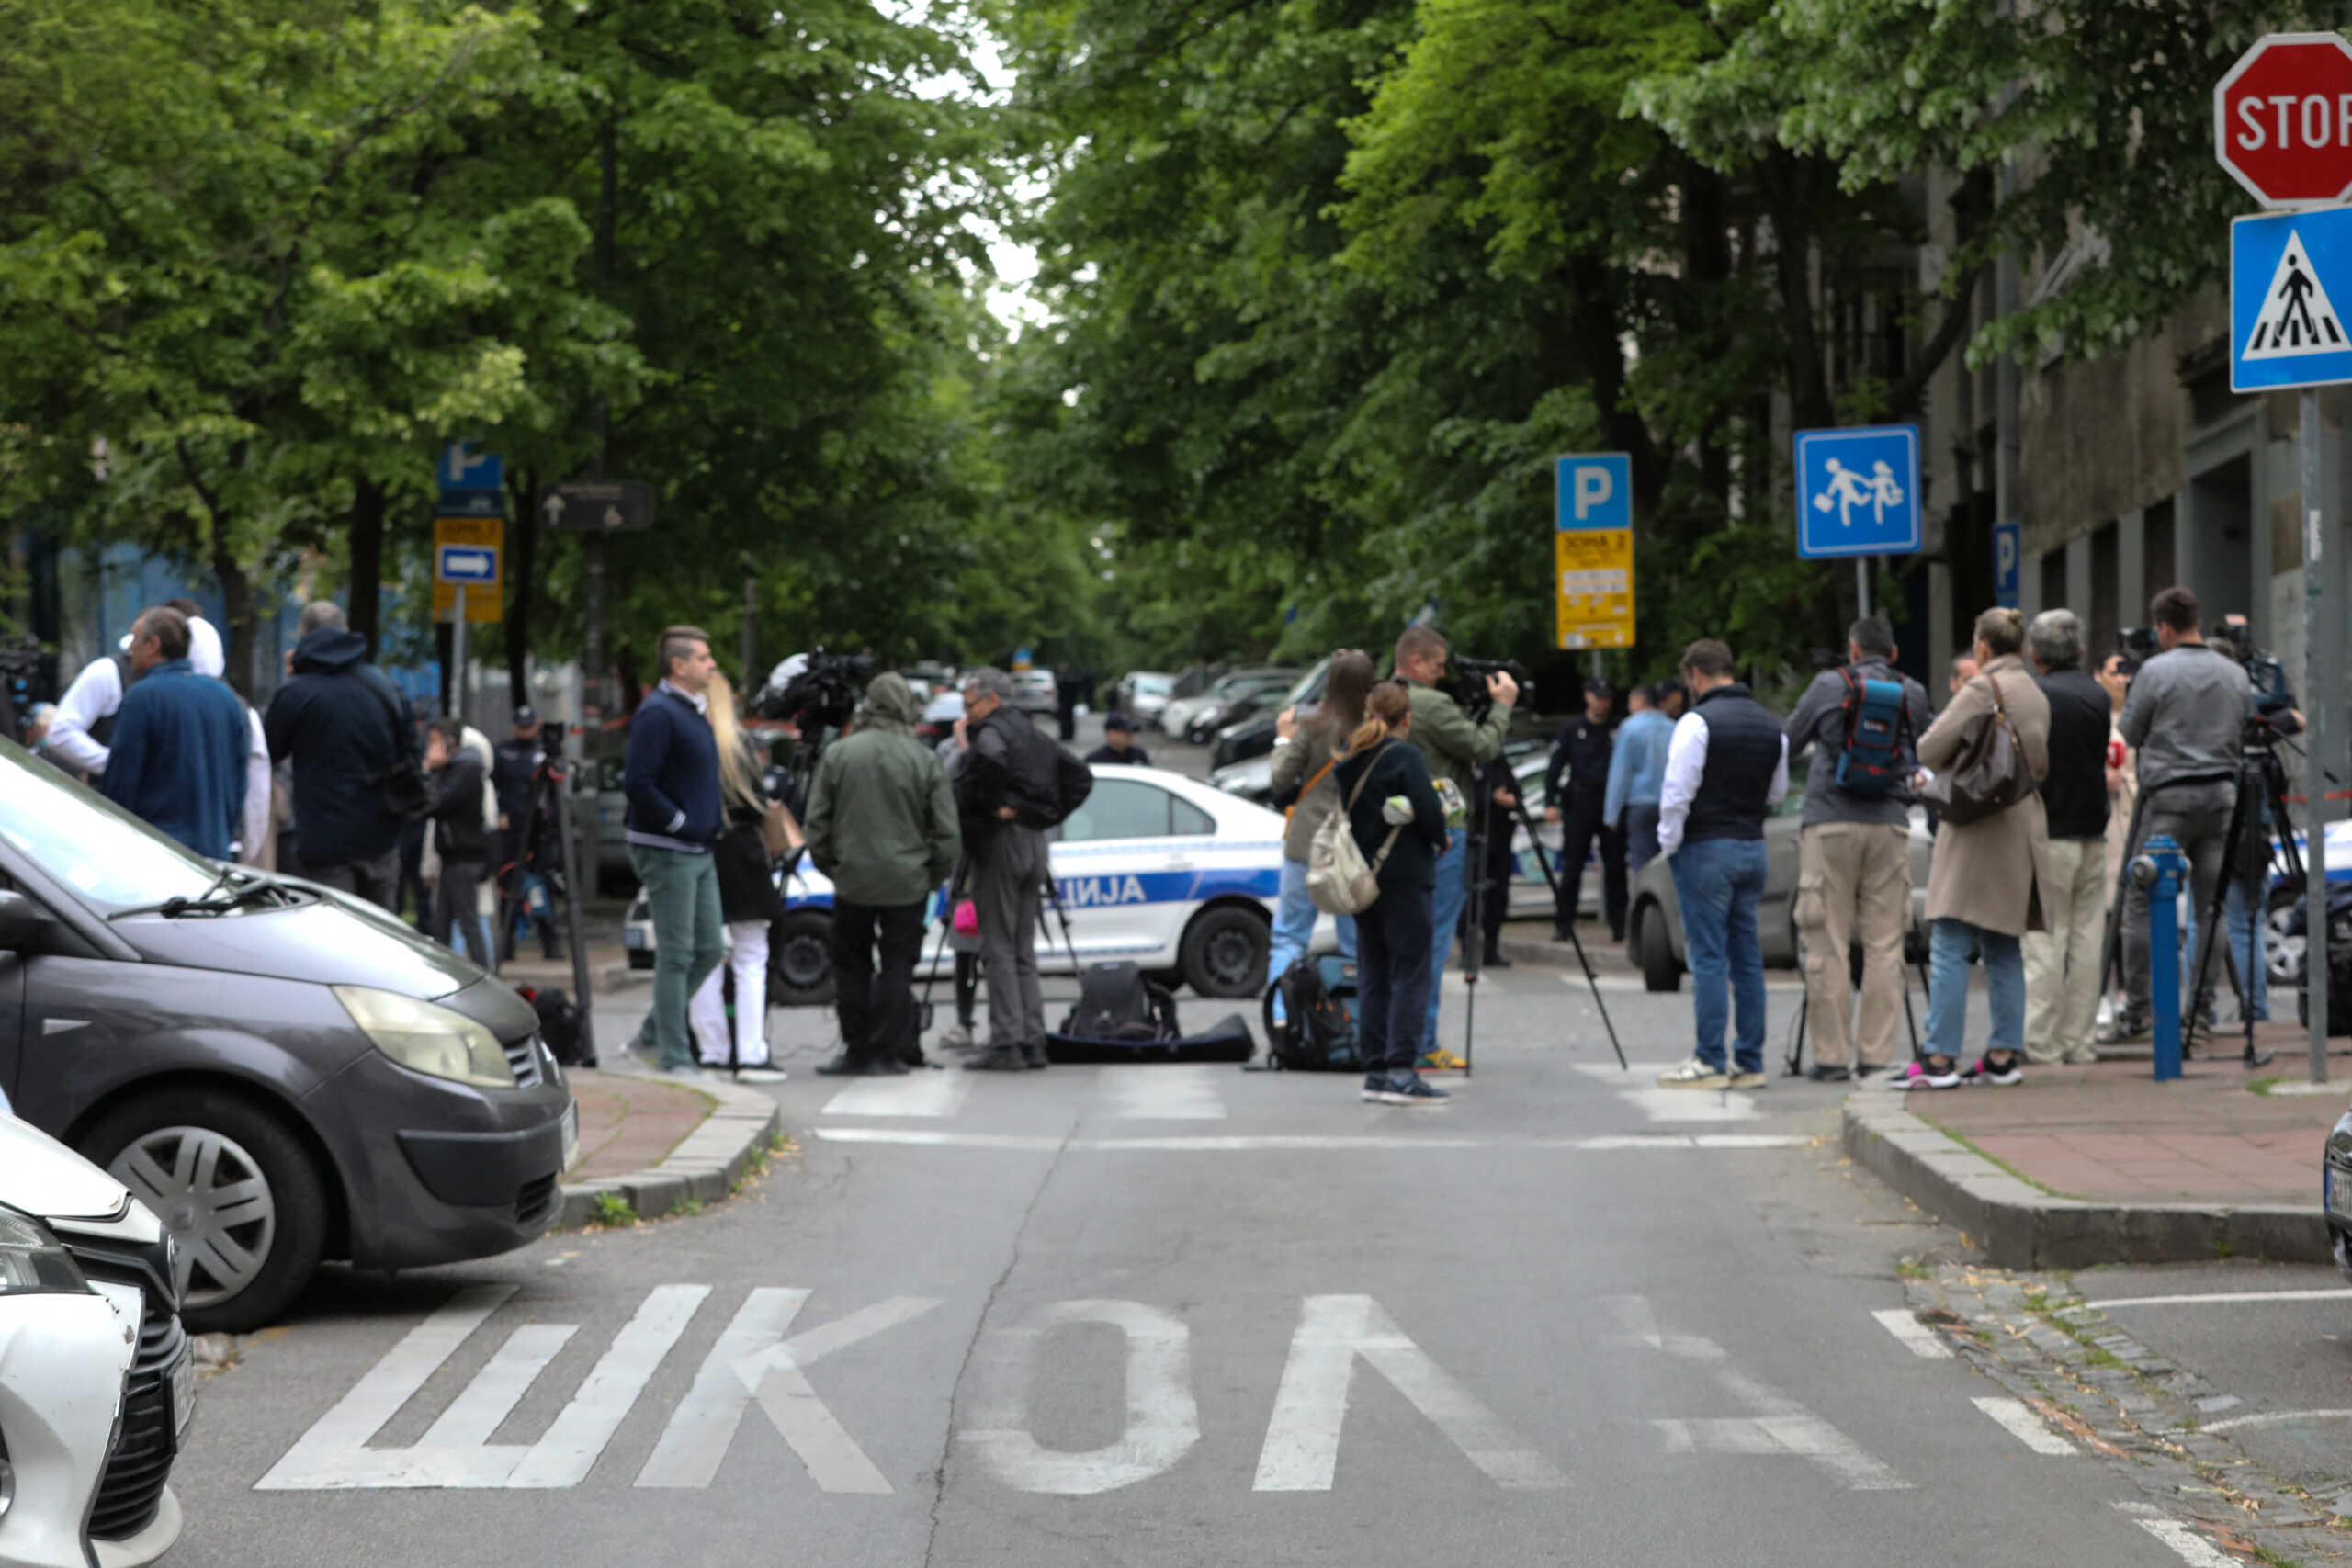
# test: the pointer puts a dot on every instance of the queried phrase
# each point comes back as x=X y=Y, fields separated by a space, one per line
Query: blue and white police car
x=1158 y=870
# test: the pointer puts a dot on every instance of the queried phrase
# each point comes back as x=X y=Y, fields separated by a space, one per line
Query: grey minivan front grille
x=522 y=1055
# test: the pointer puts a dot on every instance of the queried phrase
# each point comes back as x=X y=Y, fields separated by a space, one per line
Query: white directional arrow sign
x=462 y=565
x=553 y=507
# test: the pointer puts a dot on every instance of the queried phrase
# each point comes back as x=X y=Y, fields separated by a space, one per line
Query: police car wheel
x=1224 y=951
x=800 y=960
x=1659 y=971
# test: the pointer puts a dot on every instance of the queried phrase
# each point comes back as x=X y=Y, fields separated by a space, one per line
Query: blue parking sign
x=1858 y=492
x=1595 y=490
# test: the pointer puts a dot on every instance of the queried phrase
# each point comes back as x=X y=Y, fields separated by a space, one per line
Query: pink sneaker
x=1919 y=1076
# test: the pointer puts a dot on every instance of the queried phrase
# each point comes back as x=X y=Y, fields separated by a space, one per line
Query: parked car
x=929 y=678
x=1248 y=697
x=2335 y=1190
x=1252 y=779
x=97 y=1386
x=283 y=1072
x=1035 y=692
x=1143 y=694
x=1654 y=923
x=1176 y=718
x=1161 y=870
x=1243 y=738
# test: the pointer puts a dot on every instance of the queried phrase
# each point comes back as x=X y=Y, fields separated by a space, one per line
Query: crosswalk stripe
x=1299 y=1143
x=1916 y=1336
x=2023 y=1425
x=1164 y=1093
x=912 y=1094
x=2185 y=1543
x=1636 y=1086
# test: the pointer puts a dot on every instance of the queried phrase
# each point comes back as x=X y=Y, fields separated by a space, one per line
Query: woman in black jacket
x=748 y=905
x=453 y=780
x=1399 y=824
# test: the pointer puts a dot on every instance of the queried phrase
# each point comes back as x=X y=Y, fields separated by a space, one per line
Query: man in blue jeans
x=1726 y=765
x=672 y=781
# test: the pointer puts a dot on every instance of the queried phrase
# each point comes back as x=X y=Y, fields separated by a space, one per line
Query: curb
x=704 y=1166
x=2021 y=1227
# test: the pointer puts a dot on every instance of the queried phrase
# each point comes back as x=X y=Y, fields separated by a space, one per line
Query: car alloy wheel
x=214 y=1199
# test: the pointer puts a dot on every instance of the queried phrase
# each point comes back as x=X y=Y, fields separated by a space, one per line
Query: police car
x=1156 y=869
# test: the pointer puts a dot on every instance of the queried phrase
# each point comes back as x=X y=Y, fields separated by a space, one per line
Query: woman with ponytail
x=747 y=903
x=1393 y=810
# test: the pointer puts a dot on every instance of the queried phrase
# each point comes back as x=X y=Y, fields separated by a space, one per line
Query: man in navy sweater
x=1726 y=765
x=178 y=758
x=673 y=817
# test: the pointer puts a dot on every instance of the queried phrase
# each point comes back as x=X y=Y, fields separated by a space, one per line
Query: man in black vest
x=2062 y=960
x=1725 y=767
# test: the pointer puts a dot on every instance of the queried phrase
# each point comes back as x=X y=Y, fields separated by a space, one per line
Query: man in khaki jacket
x=1984 y=885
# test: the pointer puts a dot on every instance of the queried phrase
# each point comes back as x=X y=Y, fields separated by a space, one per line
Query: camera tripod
x=1473 y=929
x=550 y=803
x=957 y=885
x=2262 y=782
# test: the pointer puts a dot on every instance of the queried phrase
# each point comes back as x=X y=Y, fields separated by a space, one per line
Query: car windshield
x=1152 y=686
x=109 y=857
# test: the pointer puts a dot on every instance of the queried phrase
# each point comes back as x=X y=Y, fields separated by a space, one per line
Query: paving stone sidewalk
x=2103 y=1393
x=660 y=1145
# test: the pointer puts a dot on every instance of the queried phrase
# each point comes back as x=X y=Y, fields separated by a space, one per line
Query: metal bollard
x=2160 y=868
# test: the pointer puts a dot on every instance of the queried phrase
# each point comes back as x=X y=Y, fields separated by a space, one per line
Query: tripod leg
x=2214 y=922
x=1575 y=941
x=567 y=842
x=1795 y=1062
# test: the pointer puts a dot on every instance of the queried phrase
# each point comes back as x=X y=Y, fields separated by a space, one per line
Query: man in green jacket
x=1453 y=747
x=882 y=825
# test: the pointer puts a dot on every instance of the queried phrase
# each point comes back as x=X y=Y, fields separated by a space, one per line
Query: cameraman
x=1453 y=747
x=1005 y=758
x=2187 y=714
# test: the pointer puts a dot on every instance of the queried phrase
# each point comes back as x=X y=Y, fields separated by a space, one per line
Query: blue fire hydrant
x=2160 y=868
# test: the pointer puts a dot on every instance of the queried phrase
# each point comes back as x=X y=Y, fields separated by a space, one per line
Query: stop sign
x=2282 y=120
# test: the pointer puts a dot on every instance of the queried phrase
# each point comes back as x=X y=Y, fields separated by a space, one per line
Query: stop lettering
x=2282 y=120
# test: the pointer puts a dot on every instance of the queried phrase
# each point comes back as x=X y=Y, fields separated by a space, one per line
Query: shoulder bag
x=1338 y=881
x=405 y=794
x=1320 y=774
x=1988 y=776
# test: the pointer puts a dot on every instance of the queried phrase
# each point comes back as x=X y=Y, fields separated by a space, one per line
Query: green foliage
x=612 y=1210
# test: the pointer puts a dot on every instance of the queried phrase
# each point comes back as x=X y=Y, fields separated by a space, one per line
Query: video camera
x=814 y=691
x=1465 y=681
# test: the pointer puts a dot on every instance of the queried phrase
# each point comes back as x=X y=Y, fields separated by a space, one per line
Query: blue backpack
x=1870 y=763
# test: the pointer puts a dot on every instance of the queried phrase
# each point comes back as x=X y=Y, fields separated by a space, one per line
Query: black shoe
x=996 y=1059
x=1034 y=1054
x=1868 y=1069
x=1494 y=961
x=1825 y=1072
x=845 y=1066
x=1562 y=936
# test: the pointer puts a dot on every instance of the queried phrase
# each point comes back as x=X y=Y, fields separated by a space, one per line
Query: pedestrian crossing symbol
x=2287 y=271
x=2297 y=316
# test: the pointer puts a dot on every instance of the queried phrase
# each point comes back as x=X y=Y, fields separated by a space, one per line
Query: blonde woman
x=748 y=904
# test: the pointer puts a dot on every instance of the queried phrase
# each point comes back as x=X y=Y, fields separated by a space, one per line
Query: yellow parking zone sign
x=484 y=601
x=1593 y=572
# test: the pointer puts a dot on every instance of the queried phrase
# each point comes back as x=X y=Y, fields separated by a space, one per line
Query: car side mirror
x=22 y=922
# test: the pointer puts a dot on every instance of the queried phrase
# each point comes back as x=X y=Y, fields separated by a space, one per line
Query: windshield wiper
x=210 y=901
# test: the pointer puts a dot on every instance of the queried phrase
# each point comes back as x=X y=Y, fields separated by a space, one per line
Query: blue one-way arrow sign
x=468 y=563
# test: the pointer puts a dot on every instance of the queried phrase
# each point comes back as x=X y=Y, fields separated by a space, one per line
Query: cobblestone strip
x=703 y=1168
x=2030 y=1334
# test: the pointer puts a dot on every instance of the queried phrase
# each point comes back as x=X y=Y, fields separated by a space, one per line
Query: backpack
x=406 y=795
x=1042 y=781
x=1316 y=1033
x=1117 y=1006
x=1338 y=880
x=1870 y=761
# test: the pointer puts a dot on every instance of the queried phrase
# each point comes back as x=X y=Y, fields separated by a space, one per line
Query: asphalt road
x=1177 y=1315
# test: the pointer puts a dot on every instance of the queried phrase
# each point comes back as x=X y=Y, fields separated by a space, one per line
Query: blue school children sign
x=1858 y=492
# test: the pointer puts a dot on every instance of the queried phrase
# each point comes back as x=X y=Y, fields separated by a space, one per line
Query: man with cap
x=1582 y=751
x=1118 y=744
x=514 y=774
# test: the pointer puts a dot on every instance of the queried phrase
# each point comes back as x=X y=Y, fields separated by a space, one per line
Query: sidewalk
x=2102 y=1163
x=659 y=1145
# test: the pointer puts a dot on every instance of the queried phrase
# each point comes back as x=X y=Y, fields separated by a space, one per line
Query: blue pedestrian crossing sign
x=2286 y=270
x=1858 y=492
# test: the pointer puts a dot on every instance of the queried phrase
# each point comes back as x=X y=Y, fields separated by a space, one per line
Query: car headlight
x=427 y=1039
x=32 y=1261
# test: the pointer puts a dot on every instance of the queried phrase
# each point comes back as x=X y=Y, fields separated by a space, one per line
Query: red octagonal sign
x=2282 y=120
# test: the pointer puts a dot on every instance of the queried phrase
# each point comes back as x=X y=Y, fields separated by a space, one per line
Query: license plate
x=570 y=1133
x=2340 y=1192
x=183 y=1394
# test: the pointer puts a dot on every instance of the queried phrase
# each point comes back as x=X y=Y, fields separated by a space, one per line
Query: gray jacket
x=1307 y=755
x=2186 y=714
x=1820 y=723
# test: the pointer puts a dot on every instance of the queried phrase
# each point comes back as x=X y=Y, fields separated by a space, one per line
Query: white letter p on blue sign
x=1594 y=487
x=1591 y=492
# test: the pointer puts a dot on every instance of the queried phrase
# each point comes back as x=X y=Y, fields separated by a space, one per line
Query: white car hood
x=42 y=1177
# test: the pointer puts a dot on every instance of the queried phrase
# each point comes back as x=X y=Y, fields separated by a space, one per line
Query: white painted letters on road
x=1162 y=1420
x=1302 y=1448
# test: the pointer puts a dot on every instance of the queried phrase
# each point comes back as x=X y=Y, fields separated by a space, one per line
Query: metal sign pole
x=458 y=660
x=2320 y=672
x=1862 y=585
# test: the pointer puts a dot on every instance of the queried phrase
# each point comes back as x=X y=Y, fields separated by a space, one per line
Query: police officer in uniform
x=1581 y=749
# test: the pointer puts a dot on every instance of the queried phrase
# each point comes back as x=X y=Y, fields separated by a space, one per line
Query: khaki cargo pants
x=1853 y=885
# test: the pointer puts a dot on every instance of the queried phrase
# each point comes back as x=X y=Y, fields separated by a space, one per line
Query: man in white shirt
x=1726 y=765
x=84 y=717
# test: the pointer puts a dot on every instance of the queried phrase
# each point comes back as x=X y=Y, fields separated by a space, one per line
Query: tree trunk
x=1596 y=347
x=1789 y=184
x=1706 y=247
x=367 y=557
x=522 y=599
x=237 y=602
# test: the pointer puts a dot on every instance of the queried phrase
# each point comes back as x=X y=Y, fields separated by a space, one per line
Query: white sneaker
x=1694 y=1073
x=761 y=1073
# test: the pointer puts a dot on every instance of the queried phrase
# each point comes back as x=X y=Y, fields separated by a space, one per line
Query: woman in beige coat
x=1984 y=886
